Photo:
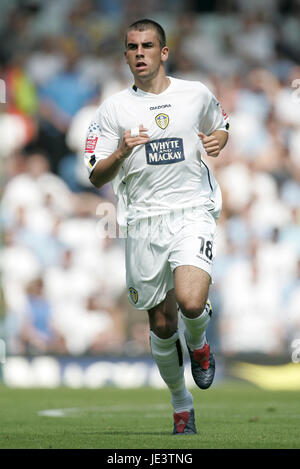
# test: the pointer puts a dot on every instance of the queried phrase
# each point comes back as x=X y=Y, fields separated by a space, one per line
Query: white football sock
x=168 y=356
x=195 y=329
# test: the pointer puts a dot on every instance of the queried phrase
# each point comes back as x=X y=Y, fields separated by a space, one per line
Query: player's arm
x=214 y=126
x=214 y=142
x=106 y=169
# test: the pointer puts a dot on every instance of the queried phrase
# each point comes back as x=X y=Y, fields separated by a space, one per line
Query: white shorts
x=157 y=245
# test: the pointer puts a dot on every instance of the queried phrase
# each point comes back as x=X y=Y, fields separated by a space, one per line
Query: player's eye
x=131 y=46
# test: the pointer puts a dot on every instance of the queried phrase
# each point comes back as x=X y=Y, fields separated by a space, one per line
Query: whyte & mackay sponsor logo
x=164 y=151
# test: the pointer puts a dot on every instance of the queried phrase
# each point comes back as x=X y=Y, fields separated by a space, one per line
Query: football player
x=148 y=140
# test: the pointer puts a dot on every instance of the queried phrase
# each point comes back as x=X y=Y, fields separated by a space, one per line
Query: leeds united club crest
x=133 y=295
x=162 y=120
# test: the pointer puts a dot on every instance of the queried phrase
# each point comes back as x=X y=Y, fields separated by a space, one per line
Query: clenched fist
x=129 y=141
x=211 y=144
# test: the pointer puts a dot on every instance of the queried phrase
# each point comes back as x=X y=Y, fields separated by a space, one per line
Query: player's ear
x=164 y=54
x=125 y=55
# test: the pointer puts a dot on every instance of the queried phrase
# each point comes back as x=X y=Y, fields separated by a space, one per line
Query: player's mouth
x=141 y=65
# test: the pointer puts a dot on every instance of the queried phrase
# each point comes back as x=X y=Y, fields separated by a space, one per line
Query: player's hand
x=211 y=144
x=130 y=141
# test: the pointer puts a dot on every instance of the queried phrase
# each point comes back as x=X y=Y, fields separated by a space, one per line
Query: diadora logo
x=164 y=151
x=163 y=106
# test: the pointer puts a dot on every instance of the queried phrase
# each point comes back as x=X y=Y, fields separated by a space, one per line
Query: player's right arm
x=106 y=169
x=107 y=145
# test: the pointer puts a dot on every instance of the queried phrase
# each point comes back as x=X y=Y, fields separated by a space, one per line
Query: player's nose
x=139 y=52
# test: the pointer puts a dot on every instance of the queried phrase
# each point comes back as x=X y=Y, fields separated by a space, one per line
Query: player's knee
x=192 y=307
x=163 y=320
x=164 y=327
x=164 y=331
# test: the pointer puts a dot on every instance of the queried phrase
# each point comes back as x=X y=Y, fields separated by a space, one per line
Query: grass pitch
x=229 y=416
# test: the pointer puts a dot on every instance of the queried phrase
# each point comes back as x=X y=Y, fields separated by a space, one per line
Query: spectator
x=251 y=320
x=60 y=98
x=90 y=327
x=38 y=332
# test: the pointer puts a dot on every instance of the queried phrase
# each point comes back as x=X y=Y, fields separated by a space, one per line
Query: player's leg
x=167 y=352
x=150 y=284
x=191 y=258
x=191 y=289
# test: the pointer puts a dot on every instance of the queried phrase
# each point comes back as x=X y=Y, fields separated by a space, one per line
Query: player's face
x=144 y=54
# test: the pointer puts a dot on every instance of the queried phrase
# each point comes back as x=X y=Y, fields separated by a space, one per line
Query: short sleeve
x=102 y=137
x=215 y=118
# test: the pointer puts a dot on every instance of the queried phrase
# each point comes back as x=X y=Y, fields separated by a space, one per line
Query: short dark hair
x=142 y=25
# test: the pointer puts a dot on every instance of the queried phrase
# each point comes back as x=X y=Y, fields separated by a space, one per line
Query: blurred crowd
x=62 y=284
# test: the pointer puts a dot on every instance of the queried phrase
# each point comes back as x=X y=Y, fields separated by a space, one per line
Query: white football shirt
x=167 y=173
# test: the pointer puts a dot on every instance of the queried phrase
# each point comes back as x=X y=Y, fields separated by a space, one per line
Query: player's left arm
x=214 y=142
x=213 y=126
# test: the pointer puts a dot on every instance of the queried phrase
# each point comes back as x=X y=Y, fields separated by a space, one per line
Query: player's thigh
x=163 y=318
x=191 y=259
x=148 y=273
x=191 y=289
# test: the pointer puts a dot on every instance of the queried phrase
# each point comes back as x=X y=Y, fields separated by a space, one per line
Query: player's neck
x=155 y=86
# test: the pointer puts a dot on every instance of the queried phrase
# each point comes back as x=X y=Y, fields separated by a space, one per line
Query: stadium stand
x=63 y=284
